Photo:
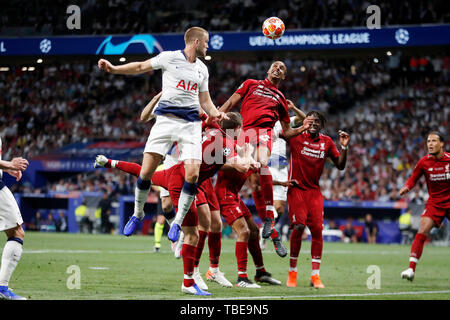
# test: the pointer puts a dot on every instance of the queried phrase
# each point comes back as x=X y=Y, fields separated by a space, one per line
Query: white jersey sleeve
x=162 y=60
x=204 y=87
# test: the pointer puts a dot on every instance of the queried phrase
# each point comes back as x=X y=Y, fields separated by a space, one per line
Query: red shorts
x=437 y=214
x=232 y=208
x=173 y=179
x=256 y=137
x=305 y=207
x=206 y=194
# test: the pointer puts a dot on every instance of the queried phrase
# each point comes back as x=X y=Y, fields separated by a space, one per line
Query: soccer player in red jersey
x=435 y=166
x=218 y=149
x=262 y=106
x=309 y=151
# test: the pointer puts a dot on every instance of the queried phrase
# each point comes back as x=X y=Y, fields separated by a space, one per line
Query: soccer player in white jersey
x=11 y=223
x=184 y=91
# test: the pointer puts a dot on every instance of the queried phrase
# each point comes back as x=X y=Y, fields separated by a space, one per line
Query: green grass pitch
x=120 y=268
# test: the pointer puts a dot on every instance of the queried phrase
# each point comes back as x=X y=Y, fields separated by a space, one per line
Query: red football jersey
x=262 y=104
x=231 y=181
x=308 y=157
x=437 y=176
x=216 y=149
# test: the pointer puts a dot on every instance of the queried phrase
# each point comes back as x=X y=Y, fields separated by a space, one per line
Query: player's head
x=232 y=124
x=198 y=38
x=318 y=122
x=277 y=71
x=435 y=143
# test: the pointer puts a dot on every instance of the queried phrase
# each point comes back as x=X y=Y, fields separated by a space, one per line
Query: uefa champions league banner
x=361 y=38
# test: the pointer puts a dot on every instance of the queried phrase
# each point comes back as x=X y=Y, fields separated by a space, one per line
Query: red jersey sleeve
x=243 y=88
x=416 y=174
x=283 y=111
x=332 y=152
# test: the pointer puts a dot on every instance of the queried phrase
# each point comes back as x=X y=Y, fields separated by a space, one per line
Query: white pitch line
x=334 y=295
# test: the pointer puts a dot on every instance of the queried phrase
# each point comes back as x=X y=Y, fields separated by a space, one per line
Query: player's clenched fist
x=19 y=164
x=105 y=65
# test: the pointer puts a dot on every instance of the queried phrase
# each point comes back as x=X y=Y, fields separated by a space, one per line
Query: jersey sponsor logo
x=439 y=176
x=190 y=87
x=313 y=153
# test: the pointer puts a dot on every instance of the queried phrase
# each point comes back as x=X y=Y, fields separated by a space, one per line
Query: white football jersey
x=279 y=144
x=181 y=83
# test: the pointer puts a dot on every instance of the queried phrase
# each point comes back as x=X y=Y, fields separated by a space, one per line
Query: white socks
x=184 y=203
x=140 y=197
x=12 y=251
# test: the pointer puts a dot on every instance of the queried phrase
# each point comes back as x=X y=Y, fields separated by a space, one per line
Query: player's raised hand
x=15 y=173
x=344 y=138
x=403 y=191
x=105 y=65
x=290 y=104
x=307 y=123
x=19 y=164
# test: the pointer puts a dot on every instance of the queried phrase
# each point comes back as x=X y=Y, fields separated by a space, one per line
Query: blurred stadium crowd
x=122 y=16
x=387 y=106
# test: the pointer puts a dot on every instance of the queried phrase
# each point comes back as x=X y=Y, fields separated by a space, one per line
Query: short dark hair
x=234 y=121
x=319 y=115
x=437 y=133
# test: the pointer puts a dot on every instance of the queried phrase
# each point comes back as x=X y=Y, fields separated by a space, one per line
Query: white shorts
x=10 y=216
x=279 y=173
x=167 y=130
x=169 y=161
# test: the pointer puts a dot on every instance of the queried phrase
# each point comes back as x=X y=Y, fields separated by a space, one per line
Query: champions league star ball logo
x=216 y=42
x=402 y=36
x=45 y=45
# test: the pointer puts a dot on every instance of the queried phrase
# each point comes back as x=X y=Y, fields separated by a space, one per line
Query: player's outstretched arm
x=131 y=68
x=289 y=132
x=411 y=182
x=230 y=103
x=16 y=164
x=146 y=114
x=208 y=106
x=299 y=114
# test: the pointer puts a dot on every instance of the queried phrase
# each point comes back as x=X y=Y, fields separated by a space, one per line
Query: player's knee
x=160 y=219
x=244 y=234
x=191 y=238
x=216 y=225
x=299 y=227
x=166 y=205
x=279 y=207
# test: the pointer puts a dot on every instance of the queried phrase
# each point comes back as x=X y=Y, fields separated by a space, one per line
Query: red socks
x=200 y=245
x=128 y=167
x=241 y=257
x=296 y=244
x=267 y=190
x=316 y=247
x=188 y=253
x=258 y=198
x=255 y=251
x=215 y=246
x=416 y=250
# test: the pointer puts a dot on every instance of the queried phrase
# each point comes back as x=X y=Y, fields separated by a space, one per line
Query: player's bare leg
x=192 y=169
x=149 y=164
x=214 y=245
x=262 y=154
x=12 y=252
x=425 y=226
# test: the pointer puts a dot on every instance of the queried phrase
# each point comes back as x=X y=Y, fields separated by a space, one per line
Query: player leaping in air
x=435 y=166
x=262 y=106
x=185 y=90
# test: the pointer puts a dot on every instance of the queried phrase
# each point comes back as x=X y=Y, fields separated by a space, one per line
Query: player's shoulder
x=446 y=156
